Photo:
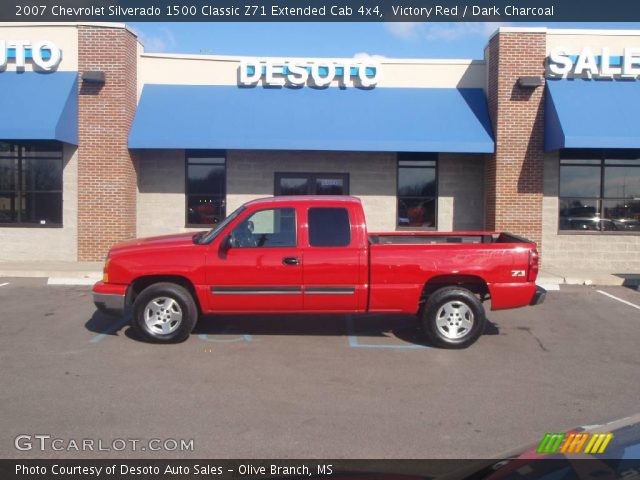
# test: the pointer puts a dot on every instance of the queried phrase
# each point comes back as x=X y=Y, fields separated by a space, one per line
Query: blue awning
x=39 y=106
x=592 y=114
x=381 y=119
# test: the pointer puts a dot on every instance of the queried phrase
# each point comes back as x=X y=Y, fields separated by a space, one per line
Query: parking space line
x=114 y=328
x=619 y=299
x=4 y=284
x=227 y=331
x=355 y=343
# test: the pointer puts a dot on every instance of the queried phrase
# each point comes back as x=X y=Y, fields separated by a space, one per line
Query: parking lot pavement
x=321 y=386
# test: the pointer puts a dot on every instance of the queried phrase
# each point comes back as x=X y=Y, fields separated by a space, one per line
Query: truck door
x=333 y=262
x=261 y=269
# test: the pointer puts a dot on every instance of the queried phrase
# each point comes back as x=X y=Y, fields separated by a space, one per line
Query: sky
x=395 y=40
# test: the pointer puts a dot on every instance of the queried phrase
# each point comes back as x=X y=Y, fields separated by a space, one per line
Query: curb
x=51 y=274
x=56 y=277
x=598 y=279
x=72 y=280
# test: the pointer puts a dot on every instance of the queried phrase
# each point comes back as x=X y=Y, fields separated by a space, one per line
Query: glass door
x=311 y=184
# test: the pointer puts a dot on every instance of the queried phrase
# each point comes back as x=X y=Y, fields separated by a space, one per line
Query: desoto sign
x=299 y=73
x=592 y=64
x=43 y=54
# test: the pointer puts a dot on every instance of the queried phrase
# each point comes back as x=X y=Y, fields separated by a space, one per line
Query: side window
x=329 y=227
x=266 y=228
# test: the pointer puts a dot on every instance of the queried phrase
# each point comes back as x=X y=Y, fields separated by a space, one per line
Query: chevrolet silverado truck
x=313 y=254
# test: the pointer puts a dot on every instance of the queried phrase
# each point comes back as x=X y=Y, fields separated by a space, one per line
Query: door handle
x=291 y=261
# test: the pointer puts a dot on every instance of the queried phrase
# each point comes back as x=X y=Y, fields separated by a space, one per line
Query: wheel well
x=471 y=282
x=140 y=283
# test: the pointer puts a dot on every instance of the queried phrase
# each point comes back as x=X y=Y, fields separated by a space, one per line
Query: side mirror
x=225 y=245
x=228 y=243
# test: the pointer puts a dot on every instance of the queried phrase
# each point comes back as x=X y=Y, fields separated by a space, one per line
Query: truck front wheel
x=453 y=317
x=164 y=313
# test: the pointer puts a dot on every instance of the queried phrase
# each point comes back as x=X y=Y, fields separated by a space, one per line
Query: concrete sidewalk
x=550 y=275
x=83 y=273
x=58 y=273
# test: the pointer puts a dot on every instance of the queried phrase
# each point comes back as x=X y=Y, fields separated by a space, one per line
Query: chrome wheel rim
x=454 y=320
x=163 y=315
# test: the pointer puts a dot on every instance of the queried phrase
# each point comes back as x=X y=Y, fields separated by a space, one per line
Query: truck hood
x=155 y=243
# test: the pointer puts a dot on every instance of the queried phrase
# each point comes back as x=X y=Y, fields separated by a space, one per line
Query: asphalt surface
x=311 y=387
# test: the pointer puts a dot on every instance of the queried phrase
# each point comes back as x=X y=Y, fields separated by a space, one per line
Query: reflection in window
x=31 y=183
x=312 y=184
x=294 y=186
x=206 y=188
x=417 y=190
x=600 y=194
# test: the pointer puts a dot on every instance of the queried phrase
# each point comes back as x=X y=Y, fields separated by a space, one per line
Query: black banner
x=523 y=469
x=320 y=10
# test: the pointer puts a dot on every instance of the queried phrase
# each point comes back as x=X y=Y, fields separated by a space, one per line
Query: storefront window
x=417 y=190
x=600 y=191
x=31 y=184
x=206 y=188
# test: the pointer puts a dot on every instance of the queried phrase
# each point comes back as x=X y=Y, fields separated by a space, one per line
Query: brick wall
x=250 y=175
x=161 y=192
x=460 y=192
x=514 y=174
x=372 y=177
x=106 y=169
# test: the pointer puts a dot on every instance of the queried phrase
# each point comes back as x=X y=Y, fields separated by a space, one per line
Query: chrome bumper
x=109 y=302
x=539 y=296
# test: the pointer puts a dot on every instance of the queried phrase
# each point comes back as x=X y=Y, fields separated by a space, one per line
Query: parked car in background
x=595 y=224
x=627 y=224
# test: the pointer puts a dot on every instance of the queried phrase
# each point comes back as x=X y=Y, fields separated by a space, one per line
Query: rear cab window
x=329 y=227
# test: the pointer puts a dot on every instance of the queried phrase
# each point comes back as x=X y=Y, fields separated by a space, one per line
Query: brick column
x=514 y=173
x=106 y=169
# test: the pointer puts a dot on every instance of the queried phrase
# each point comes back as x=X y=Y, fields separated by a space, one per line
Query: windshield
x=215 y=231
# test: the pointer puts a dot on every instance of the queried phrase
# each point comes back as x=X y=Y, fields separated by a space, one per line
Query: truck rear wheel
x=164 y=313
x=453 y=317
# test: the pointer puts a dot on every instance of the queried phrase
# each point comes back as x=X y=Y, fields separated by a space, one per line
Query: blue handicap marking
x=227 y=330
x=111 y=330
x=355 y=342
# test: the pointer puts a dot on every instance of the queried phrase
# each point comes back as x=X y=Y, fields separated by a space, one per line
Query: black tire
x=459 y=316
x=178 y=331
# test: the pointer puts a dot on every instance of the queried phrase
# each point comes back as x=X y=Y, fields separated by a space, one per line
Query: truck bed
x=402 y=262
x=426 y=238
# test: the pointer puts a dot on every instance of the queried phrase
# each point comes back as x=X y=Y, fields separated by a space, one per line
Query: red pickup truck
x=314 y=255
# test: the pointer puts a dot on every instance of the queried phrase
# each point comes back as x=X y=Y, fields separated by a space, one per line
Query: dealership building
x=101 y=142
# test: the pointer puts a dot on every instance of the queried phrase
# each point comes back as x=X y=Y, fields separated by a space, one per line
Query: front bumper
x=109 y=302
x=539 y=296
x=110 y=298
